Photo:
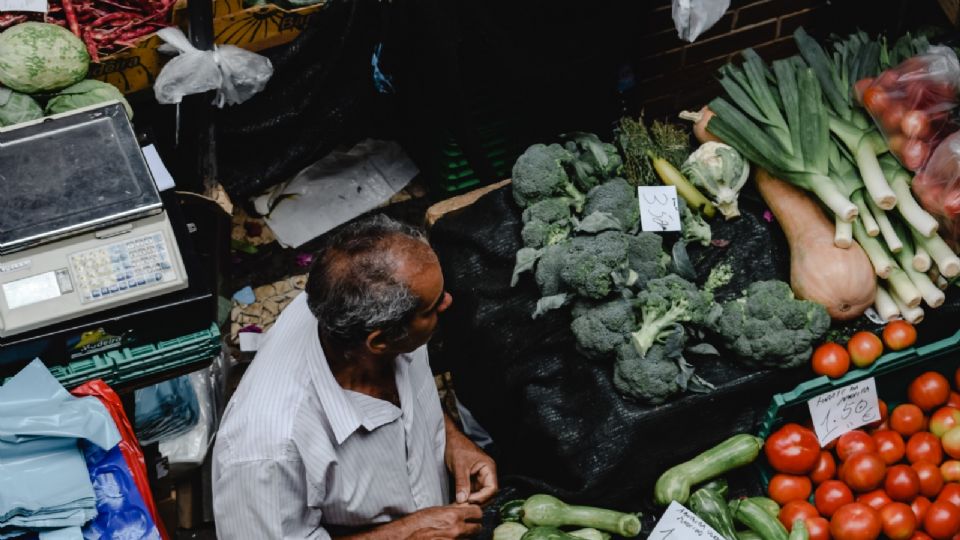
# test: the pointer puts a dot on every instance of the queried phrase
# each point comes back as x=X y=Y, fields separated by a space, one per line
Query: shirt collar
x=341 y=411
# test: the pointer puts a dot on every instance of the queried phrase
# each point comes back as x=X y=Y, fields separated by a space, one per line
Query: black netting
x=558 y=424
x=318 y=97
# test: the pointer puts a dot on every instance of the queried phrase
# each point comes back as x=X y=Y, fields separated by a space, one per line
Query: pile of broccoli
x=583 y=245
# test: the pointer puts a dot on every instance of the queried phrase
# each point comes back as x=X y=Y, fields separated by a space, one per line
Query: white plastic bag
x=694 y=17
x=234 y=73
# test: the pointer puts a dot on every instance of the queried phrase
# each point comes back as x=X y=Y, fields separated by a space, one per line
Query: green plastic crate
x=132 y=363
x=892 y=371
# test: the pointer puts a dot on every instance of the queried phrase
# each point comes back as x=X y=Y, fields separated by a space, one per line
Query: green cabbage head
x=84 y=94
x=16 y=107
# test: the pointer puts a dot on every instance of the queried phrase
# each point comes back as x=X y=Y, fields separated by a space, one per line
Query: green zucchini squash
x=553 y=533
x=509 y=530
x=799 y=530
x=711 y=508
x=512 y=510
x=547 y=511
x=719 y=485
x=757 y=519
x=737 y=451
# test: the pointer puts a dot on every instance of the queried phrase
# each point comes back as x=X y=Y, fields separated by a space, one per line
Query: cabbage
x=86 y=93
x=40 y=57
x=16 y=107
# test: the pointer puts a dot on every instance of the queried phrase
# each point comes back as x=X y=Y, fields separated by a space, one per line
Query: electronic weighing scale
x=83 y=228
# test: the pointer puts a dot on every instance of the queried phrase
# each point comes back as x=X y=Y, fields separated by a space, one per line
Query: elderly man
x=336 y=429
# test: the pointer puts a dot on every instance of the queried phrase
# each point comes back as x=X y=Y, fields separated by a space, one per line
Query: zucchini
x=758 y=519
x=509 y=530
x=711 y=508
x=769 y=505
x=799 y=530
x=512 y=510
x=719 y=485
x=553 y=533
x=546 y=511
x=748 y=535
x=737 y=451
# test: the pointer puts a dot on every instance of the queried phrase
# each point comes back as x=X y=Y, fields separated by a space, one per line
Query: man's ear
x=376 y=342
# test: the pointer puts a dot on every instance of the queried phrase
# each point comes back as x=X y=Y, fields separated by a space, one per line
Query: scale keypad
x=122 y=267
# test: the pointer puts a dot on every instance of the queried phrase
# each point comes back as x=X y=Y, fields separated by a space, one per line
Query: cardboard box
x=259 y=27
x=132 y=69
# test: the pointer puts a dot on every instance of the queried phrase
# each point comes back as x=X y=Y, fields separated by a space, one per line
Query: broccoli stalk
x=666 y=302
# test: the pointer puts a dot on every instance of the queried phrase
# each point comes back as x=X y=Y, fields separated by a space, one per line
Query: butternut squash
x=842 y=280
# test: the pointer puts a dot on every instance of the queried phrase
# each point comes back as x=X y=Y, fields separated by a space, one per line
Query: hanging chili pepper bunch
x=107 y=26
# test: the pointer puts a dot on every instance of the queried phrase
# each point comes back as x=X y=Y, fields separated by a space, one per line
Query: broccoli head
x=654 y=377
x=646 y=257
x=769 y=327
x=547 y=274
x=540 y=173
x=666 y=302
x=616 y=198
x=600 y=328
x=546 y=222
x=695 y=229
x=590 y=261
x=595 y=160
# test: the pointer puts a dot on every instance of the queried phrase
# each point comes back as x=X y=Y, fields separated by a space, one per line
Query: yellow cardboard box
x=132 y=69
x=259 y=27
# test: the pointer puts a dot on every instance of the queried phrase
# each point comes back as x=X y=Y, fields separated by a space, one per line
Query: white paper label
x=658 y=208
x=678 y=523
x=161 y=176
x=249 y=341
x=844 y=409
x=38 y=6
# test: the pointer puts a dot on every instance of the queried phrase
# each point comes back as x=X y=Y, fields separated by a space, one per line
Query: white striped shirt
x=296 y=453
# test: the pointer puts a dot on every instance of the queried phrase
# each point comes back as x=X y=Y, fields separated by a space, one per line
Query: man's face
x=425 y=279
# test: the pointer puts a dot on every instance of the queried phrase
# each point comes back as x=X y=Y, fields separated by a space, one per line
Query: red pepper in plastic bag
x=129 y=446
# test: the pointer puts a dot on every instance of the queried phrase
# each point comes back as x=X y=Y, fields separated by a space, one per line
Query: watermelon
x=40 y=57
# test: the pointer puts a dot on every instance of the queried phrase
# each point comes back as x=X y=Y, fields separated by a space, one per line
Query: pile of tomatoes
x=899 y=478
x=863 y=348
x=912 y=106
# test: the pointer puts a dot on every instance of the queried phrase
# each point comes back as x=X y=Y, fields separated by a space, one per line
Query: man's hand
x=474 y=472
x=446 y=522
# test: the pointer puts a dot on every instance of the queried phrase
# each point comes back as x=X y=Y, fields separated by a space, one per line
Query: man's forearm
x=453 y=433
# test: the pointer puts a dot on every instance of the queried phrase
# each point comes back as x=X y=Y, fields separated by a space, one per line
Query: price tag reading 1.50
x=844 y=409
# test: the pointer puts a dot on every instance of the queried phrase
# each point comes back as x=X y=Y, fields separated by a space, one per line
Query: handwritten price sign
x=39 y=6
x=845 y=409
x=658 y=208
x=678 y=523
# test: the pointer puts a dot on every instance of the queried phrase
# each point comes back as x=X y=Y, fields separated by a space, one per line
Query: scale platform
x=82 y=225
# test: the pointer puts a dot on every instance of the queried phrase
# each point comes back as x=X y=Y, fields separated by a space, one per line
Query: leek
x=887 y=231
x=884 y=305
x=869 y=223
x=843 y=233
x=928 y=290
x=911 y=212
x=882 y=263
x=946 y=260
x=912 y=315
x=921 y=260
x=903 y=288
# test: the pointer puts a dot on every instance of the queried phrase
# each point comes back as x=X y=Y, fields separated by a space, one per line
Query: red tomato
x=920 y=535
x=860 y=87
x=792 y=449
x=855 y=521
x=899 y=334
x=794 y=510
x=864 y=471
x=914 y=154
x=924 y=446
x=951 y=442
x=950 y=493
x=830 y=359
x=854 y=442
x=950 y=470
x=892 y=118
x=915 y=124
x=943 y=419
x=902 y=483
x=920 y=505
x=864 y=348
x=784 y=488
x=889 y=445
x=824 y=470
x=875 y=499
x=830 y=496
x=954 y=400
x=906 y=419
x=931 y=479
x=929 y=391
x=898 y=521
x=818 y=528
x=942 y=520
x=876 y=101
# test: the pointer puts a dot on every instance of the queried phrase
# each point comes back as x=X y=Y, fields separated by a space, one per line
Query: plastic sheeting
x=44 y=483
x=165 y=410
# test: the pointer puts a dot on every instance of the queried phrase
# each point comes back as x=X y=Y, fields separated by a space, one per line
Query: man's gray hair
x=353 y=287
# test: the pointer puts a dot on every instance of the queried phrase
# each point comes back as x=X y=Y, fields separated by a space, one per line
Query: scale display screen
x=31 y=290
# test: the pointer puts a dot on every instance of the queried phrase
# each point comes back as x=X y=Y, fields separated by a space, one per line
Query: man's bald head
x=358 y=282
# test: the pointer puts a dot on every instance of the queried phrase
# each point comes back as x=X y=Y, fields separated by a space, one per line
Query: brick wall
x=672 y=75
